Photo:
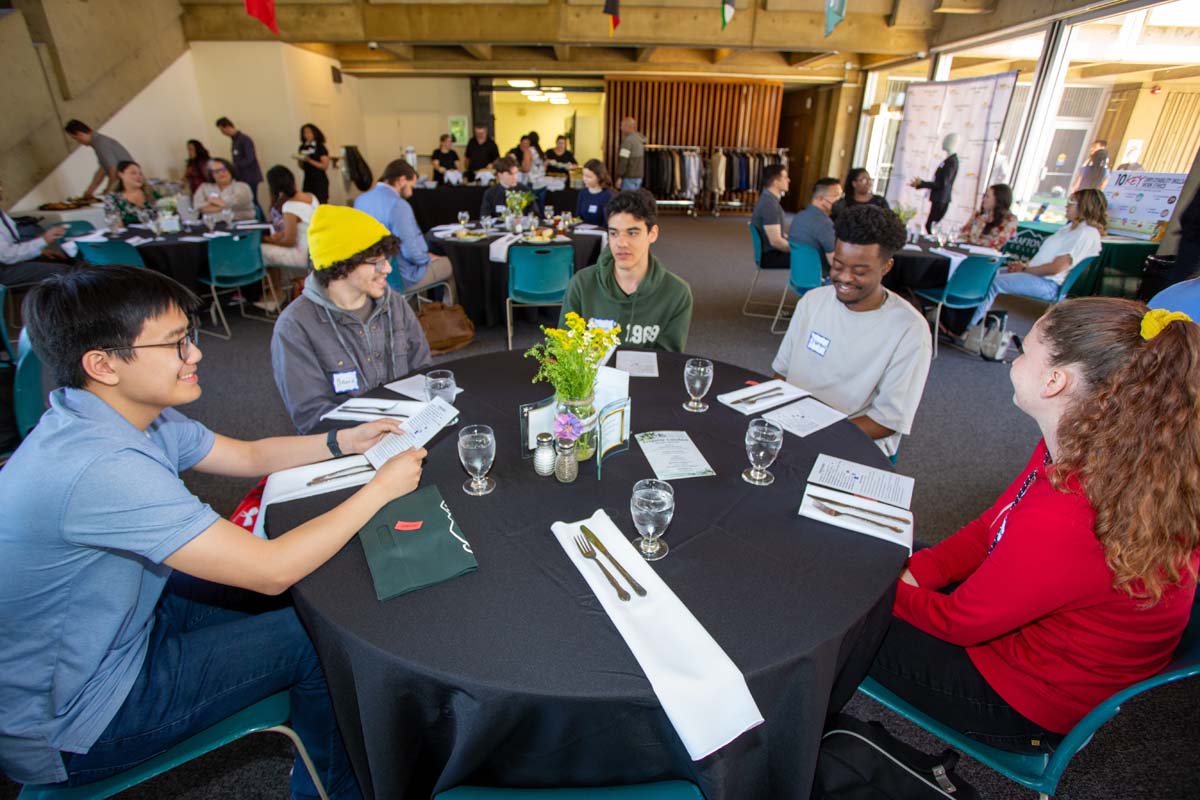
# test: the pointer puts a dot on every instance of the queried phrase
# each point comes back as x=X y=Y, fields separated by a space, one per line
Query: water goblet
x=440 y=383
x=652 y=506
x=763 y=440
x=697 y=378
x=464 y=217
x=210 y=221
x=939 y=233
x=488 y=222
x=227 y=217
x=477 y=451
x=549 y=211
x=155 y=223
x=112 y=219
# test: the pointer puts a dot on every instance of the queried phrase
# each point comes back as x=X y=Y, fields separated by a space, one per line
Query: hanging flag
x=726 y=12
x=613 y=9
x=835 y=11
x=264 y=12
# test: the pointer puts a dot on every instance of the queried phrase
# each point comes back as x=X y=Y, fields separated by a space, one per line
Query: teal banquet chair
x=805 y=267
x=537 y=276
x=967 y=288
x=30 y=401
x=233 y=262
x=756 y=240
x=662 y=790
x=1075 y=274
x=8 y=345
x=271 y=714
x=1042 y=772
x=113 y=252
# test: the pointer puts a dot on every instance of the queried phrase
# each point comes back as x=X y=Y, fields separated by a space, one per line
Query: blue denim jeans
x=629 y=184
x=1021 y=283
x=213 y=651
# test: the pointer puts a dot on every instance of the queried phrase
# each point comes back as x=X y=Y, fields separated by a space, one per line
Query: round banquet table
x=440 y=205
x=513 y=675
x=183 y=261
x=919 y=270
x=483 y=284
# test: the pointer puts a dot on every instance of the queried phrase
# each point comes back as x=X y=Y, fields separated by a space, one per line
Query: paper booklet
x=673 y=455
x=805 y=416
x=418 y=430
x=871 y=483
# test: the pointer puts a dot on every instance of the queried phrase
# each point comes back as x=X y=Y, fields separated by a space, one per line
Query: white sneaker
x=270 y=306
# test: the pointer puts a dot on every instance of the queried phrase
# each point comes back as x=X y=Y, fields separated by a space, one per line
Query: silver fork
x=589 y=552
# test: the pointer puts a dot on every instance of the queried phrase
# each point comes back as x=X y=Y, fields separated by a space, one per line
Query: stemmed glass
x=652 y=506
x=763 y=440
x=477 y=451
x=112 y=218
x=464 y=217
x=227 y=217
x=939 y=233
x=697 y=378
x=549 y=215
x=210 y=221
x=487 y=222
x=155 y=223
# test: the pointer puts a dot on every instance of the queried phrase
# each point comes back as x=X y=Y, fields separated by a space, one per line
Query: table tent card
x=536 y=417
x=701 y=690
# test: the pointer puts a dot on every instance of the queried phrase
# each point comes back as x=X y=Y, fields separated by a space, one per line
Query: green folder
x=414 y=542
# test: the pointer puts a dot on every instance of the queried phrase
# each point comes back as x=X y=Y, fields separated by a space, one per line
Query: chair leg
x=508 y=319
x=270 y=317
x=303 y=751
x=751 y=302
x=937 y=324
x=779 y=311
x=218 y=312
x=749 y=294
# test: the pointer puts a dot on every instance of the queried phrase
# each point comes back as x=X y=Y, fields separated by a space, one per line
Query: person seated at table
x=591 y=205
x=507 y=179
x=195 y=170
x=288 y=247
x=560 y=160
x=27 y=262
x=853 y=344
x=994 y=224
x=132 y=615
x=349 y=332
x=813 y=226
x=629 y=284
x=133 y=198
x=523 y=155
x=1079 y=580
x=1042 y=276
x=387 y=202
x=445 y=158
x=857 y=191
x=482 y=151
x=768 y=218
x=223 y=190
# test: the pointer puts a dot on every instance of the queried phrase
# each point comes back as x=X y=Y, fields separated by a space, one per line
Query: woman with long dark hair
x=994 y=223
x=195 y=171
x=592 y=205
x=314 y=160
x=223 y=190
x=288 y=247
x=1078 y=582
x=858 y=192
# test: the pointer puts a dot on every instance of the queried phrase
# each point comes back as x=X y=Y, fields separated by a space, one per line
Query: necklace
x=1020 y=493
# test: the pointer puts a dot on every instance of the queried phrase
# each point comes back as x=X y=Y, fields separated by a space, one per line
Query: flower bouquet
x=516 y=200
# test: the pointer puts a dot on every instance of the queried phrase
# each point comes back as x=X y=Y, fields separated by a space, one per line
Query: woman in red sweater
x=1079 y=581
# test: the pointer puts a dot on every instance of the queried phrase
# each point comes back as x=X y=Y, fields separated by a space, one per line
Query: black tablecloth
x=183 y=261
x=483 y=284
x=440 y=206
x=514 y=675
x=913 y=270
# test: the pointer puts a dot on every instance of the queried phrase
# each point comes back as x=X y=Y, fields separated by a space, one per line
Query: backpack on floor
x=990 y=338
x=862 y=761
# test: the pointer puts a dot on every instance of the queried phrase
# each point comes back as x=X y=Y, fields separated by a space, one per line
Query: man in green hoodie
x=629 y=285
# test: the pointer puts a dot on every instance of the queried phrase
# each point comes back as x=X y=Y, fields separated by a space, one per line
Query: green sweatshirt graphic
x=657 y=316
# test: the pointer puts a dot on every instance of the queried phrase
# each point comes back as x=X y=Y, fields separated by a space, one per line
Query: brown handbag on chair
x=447 y=328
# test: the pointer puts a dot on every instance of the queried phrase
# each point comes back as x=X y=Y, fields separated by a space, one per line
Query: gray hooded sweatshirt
x=316 y=344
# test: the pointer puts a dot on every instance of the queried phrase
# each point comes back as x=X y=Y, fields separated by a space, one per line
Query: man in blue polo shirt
x=108 y=656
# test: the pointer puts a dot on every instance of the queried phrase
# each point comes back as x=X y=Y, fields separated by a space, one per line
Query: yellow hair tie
x=1158 y=318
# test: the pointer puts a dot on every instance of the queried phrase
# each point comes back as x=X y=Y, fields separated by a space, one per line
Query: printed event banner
x=1140 y=204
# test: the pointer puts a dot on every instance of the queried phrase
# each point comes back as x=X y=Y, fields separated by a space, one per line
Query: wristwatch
x=332 y=444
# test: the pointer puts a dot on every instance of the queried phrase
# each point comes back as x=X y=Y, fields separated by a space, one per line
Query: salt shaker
x=543 y=456
x=566 y=466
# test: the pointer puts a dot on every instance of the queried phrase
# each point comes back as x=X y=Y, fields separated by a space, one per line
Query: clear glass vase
x=584 y=409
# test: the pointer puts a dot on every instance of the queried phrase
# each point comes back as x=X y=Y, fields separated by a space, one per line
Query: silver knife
x=753 y=397
x=594 y=539
x=856 y=508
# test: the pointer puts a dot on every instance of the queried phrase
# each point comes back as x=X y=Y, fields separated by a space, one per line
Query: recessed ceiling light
x=522 y=84
x=554 y=88
x=559 y=101
x=552 y=95
x=531 y=92
x=538 y=98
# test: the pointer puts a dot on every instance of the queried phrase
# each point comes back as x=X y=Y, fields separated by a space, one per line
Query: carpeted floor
x=968 y=442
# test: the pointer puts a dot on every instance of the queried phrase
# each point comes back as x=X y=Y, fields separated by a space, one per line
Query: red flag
x=264 y=12
x=613 y=9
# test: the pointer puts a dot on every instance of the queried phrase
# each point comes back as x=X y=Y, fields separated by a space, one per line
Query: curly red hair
x=1132 y=436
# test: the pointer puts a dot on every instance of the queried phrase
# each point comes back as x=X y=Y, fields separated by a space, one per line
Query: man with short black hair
x=243 y=156
x=387 y=202
x=854 y=345
x=349 y=332
x=813 y=226
x=508 y=177
x=629 y=285
x=129 y=618
x=109 y=153
x=768 y=217
x=482 y=151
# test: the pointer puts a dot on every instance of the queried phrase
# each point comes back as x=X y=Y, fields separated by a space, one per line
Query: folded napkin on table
x=90 y=236
x=192 y=239
x=701 y=689
x=413 y=542
x=593 y=231
x=291 y=484
x=216 y=234
x=955 y=257
x=977 y=250
x=449 y=226
x=787 y=393
x=138 y=241
x=498 y=250
x=872 y=517
x=366 y=409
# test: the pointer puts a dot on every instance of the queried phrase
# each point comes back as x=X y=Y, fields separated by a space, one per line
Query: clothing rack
x=685 y=204
x=741 y=200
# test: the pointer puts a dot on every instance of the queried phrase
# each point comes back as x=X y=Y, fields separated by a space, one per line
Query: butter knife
x=856 y=508
x=594 y=539
x=833 y=512
x=755 y=397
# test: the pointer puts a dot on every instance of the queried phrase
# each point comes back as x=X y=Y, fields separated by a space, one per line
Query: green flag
x=835 y=11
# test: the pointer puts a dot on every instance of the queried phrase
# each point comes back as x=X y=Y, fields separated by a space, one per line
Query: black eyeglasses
x=183 y=347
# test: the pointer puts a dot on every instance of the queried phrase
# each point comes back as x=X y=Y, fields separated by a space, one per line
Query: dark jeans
x=936 y=212
x=775 y=259
x=939 y=679
x=213 y=651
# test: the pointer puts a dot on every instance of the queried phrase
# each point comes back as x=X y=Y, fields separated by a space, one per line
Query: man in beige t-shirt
x=631 y=157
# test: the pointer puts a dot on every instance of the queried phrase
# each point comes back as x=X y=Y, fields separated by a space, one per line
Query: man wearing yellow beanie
x=349 y=332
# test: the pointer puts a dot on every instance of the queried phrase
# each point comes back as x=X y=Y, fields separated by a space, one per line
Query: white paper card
x=414 y=386
x=611 y=385
x=673 y=455
x=869 y=482
x=857 y=514
x=638 y=363
x=418 y=429
x=761 y=396
x=138 y=241
x=804 y=416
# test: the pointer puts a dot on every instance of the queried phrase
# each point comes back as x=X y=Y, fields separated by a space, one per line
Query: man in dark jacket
x=245 y=160
x=942 y=185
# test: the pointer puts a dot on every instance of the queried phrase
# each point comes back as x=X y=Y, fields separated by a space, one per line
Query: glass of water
x=549 y=212
x=210 y=221
x=697 y=377
x=763 y=440
x=652 y=506
x=477 y=451
x=464 y=217
x=227 y=217
x=440 y=383
x=488 y=223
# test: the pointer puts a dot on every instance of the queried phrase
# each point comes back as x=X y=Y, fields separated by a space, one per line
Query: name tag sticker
x=817 y=343
x=345 y=381
x=500 y=209
x=592 y=209
x=409 y=526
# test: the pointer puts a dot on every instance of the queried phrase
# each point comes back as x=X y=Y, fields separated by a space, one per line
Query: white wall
x=397 y=112
x=154 y=127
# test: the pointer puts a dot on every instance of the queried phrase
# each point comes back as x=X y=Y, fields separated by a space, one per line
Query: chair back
x=970 y=283
x=76 y=227
x=1072 y=276
x=804 y=265
x=235 y=260
x=29 y=397
x=8 y=347
x=540 y=274
x=114 y=252
x=756 y=240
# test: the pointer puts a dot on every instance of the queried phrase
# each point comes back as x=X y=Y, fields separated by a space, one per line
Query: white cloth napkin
x=449 y=226
x=453 y=177
x=366 y=409
x=484 y=176
x=977 y=250
x=90 y=236
x=413 y=386
x=869 y=509
x=788 y=393
x=911 y=246
x=138 y=241
x=291 y=484
x=216 y=234
x=956 y=258
x=594 y=231
x=701 y=689
x=498 y=250
x=192 y=239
